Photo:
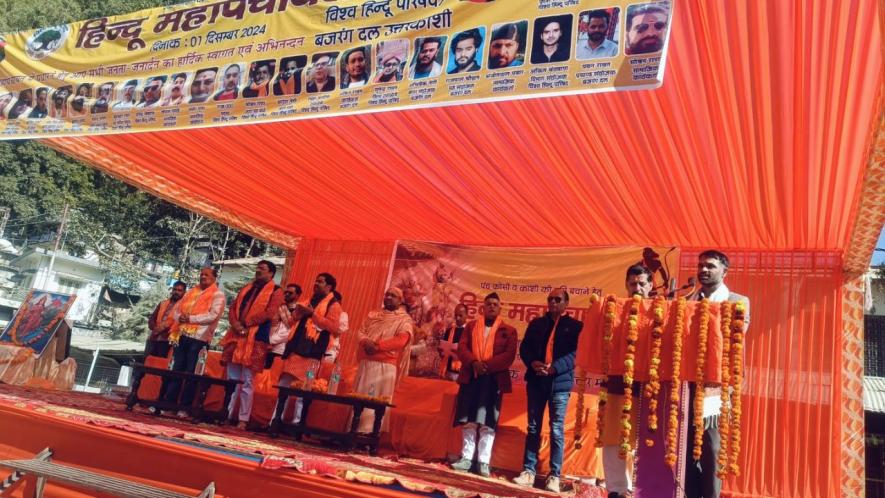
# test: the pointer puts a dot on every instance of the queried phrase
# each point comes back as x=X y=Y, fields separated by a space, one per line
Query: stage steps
x=41 y=467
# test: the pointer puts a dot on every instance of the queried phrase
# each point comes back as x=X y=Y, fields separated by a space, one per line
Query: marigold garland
x=653 y=386
x=676 y=384
x=725 y=310
x=608 y=328
x=629 y=365
x=703 y=328
x=737 y=379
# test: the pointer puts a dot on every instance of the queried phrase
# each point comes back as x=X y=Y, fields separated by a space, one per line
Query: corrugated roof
x=874 y=394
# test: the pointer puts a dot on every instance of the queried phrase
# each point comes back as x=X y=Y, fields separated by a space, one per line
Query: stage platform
x=96 y=433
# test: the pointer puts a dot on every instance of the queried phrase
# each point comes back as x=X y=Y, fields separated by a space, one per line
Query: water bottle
x=201 y=361
x=311 y=374
x=372 y=391
x=171 y=362
x=335 y=379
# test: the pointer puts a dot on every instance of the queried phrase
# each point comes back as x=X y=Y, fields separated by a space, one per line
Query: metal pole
x=61 y=229
x=92 y=366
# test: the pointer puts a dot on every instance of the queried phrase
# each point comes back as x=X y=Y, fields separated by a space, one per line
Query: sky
x=879 y=256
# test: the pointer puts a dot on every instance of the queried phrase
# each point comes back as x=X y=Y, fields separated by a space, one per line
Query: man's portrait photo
x=151 y=92
x=391 y=58
x=289 y=80
x=507 y=45
x=321 y=74
x=597 y=34
x=646 y=27
x=465 y=52
x=355 y=67
x=552 y=39
x=231 y=79
x=203 y=85
x=261 y=75
x=427 y=62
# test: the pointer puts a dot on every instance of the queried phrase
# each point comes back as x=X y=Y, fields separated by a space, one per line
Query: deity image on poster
x=36 y=321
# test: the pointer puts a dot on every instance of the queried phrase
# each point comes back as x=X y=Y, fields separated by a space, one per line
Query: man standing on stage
x=701 y=480
x=548 y=351
x=618 y=475
x=245 y=346
x=161 y=322
x=197 y=315
x=317 y=322
x=486 y=351
x=449 y=364
x=383 y=353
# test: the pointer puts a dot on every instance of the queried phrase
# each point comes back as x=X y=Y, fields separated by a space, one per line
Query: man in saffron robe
x=383 y=354
x=548 y=351
x=315 y=325
x=247 y=342
x=196 y=316
x=161 y=322
x=487 y=349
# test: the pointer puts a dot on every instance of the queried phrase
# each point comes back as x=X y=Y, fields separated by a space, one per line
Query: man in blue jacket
x=548 y=351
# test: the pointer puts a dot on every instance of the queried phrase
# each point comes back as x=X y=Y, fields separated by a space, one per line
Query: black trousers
x=185 y=360
x=701 y=480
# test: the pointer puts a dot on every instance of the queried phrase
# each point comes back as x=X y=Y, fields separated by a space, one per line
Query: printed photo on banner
x=230 y=83
x=58 y=102
x=465 y=52
x=646 y=27
x=598 y=34
x=391 y=60
x=104 y=98
x=151 y=92
x=289 y=80
x=429 y=55
x=6 y=100
x=41 y=98
x=355 y=67
x=126 y=97
x=552 y=40
x=261 y=75
x=23 y=105
x=508 y=44
x=321 y=73
x=82 y=100
x=203 y=85
x=174 y=91
x=35 y=322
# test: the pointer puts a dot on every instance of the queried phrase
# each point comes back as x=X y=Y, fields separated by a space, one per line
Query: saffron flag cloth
x=216 y=63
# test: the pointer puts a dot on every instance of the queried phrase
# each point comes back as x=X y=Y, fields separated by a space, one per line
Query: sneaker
x=525 y=478
x=552 y=484
x=182 y=414
x=484 y=470
x=462 y=465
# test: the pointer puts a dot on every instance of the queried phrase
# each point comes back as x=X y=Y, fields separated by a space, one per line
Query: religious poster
x=226 y=62
x=437 y=277
x=35 y=322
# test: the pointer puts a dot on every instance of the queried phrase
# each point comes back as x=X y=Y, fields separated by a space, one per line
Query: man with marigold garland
x=701 y=479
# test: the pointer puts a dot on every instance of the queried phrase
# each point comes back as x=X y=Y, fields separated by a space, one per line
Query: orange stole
x=310 y=330
x=483 y=349
x=170 y=322
x=244 y=344
x=456 y=363
x=195 y=302
x=548 y=355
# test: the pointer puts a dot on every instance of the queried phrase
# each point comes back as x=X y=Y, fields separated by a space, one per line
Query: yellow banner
x=436 y=277
x=214 y=63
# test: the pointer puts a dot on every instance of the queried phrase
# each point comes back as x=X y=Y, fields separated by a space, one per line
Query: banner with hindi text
x=437 y=277
x=215 y=63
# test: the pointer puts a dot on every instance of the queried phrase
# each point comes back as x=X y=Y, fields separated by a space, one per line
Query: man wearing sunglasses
x=646 y=28
x=548 y=351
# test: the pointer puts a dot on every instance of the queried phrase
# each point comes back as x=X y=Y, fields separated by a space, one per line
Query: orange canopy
x=757 y=139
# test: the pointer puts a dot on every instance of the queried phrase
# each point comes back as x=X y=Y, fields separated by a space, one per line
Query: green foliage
x=135 y=326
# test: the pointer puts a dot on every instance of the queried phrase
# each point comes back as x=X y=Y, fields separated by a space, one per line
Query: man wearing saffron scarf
x=486 y=351
x=196 y=316
x=450 y=365
x=247 y=342
x=316 y=323
x=548 y=351
x=161 y=322
x=383 y=353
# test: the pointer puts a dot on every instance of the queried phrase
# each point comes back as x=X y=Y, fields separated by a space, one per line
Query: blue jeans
x=538 y=398
x=185 y=360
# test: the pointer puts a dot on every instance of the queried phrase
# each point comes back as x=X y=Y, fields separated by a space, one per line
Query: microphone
x=692 y=281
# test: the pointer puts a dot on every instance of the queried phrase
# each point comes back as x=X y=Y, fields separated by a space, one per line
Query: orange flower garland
x=676 y=384
x=703 y=328
x=737 y=379
x=653 y=386
x=609 y=322
x=725 y=310
x=629 y=365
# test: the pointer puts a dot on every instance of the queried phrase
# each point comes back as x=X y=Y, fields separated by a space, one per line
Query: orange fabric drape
x=763 y=118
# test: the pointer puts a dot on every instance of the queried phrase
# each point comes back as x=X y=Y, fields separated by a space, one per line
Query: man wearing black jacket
x=548 y=351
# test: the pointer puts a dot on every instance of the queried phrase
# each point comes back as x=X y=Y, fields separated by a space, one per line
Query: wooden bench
x=43 y=469
x=204 y=382
x=347 y=439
